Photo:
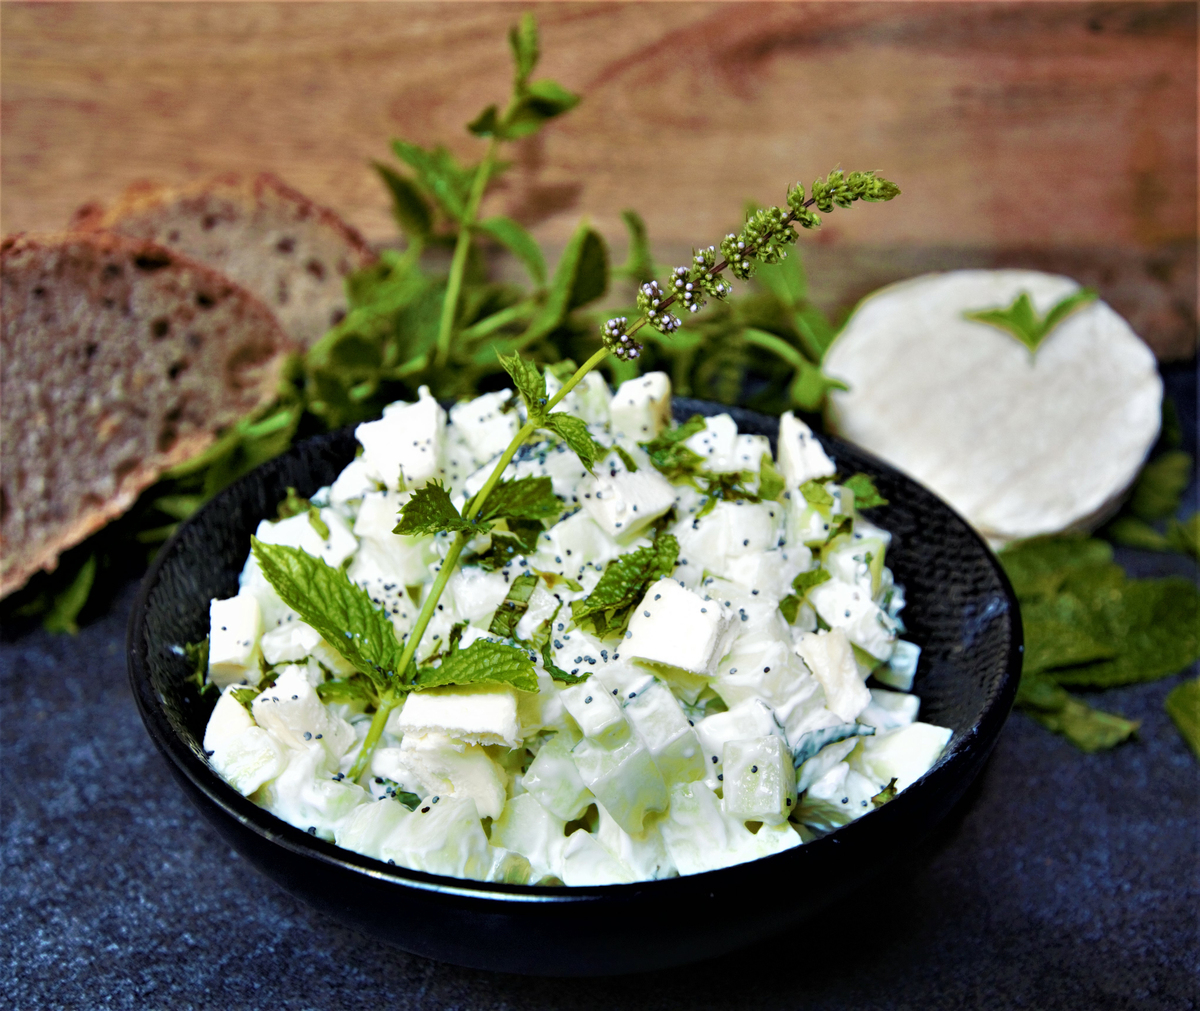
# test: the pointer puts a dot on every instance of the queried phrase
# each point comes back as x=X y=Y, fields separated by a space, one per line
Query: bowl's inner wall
x=958 y=606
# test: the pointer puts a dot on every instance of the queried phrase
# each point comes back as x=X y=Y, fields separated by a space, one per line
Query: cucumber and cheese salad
x=702 y=617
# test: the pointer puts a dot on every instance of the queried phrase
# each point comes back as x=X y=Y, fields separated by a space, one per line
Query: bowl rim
x=962 y=750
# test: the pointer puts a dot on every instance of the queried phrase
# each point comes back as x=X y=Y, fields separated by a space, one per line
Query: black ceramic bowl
x=960 y=610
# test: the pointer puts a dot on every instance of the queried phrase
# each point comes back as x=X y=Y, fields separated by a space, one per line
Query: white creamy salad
x=727 y=718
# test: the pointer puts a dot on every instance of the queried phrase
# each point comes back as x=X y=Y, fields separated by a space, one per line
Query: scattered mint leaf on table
x=64 y=611
x=605 y=611
x=1022 y=321
x=1158 y=488
x=1055 y=709
x=1183 y=706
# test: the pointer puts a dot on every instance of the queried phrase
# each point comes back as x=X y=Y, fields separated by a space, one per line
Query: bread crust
x=119 y=358
x=289 y=251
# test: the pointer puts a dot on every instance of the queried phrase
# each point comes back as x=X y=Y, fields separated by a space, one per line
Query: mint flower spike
x=652 y=301
x=614 y=335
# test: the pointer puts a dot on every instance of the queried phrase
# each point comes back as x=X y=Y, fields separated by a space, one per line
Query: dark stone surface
x=1062 y=881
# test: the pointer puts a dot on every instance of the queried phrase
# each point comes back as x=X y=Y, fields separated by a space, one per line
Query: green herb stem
x=462 y=247
x=387 y=704
x=575 y=380
x=492 y=323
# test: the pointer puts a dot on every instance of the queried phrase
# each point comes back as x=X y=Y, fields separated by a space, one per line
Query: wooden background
x=1055 y=135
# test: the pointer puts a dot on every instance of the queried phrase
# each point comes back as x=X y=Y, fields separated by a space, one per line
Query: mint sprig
x=1022 y=320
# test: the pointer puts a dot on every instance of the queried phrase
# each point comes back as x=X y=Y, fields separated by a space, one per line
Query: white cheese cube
x=555 y=781
x=769 y=572
x=625 y=503
x=585 y=861
x=596 y=711
x=402 y=449
x=352 y=483
x=760 y=782
x=890 y=709
x=801 y=457
x=234 y=627
x=446 y=767
x=248 y=759
x=578 y=539
x=307 y=793
x=831 y=660
x=624 y=779
x=836 y=799
x=717 y=444
x=476 y=594
x=484 y=425
x=644 y=854
x=679 y=628
x=299 y=532
x=848 y=607
x=749 y=450
x=656 y=716
x=526 y=827
x=589 y=400
x=291 y=641
x=641 y=407
x=369 y=825
x=407 y=558
x=473 y=714
x=901 y=667
x=229 y=718
x=749 y=719
x=294 y=714
x=904 y=754
x=442 y=838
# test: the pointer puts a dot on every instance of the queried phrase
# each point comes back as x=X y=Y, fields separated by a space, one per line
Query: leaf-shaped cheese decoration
x=1020 y=446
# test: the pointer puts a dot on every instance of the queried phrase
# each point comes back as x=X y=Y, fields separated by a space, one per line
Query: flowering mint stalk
x=764 y=238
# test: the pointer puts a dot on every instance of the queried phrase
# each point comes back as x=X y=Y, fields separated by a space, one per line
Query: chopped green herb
x=605 y=611
x=512 y=609
x=866 y=495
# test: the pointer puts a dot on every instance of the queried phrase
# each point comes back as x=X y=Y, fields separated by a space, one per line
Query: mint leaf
x=486 y=123
x=1022 y=321
x=605 y=611
x=574 y=432
x=723 y=488
x=770 y=481
x=866 y=495
x=789 y=607
x=439 y=174
x=629 y=462
x=518 y=242
x=527 y=498
x=886 y=794
x=318 y=524
x=246 y=696
x=520 y=538
x=542 y=100
x=340 y=610
x=1063 y=631
x=1088 y=729
x=815 y=493
x=292 y=505
x=581 y=275
x=512 y=609
x=639 y=263
x=1183 y=706
x=1184 y=535
x=805 y=581
x=670 y=456
x=64 y=611
x=528 y=380
x=409 y=208
x=1154 y=626
x=813 y=741
x=1159 y=486
x=556 y=672
x=1135 y=533
x=430 y=511
x=523 y=38
x=353 y=689
x=483 y=662
x=1038 y=568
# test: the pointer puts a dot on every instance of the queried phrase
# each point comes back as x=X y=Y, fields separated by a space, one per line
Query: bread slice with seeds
x=260 y=232
x=120 y=359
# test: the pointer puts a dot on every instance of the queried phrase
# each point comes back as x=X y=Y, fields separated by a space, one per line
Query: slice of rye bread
x=267 y=237
x=120 y=359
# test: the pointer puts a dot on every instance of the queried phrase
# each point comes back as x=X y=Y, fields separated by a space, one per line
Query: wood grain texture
x=1061 y=135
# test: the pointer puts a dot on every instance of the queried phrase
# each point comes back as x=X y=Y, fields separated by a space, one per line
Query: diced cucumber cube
x=623 y=778
x=442 y=838
x=901 y=667
x=748 y=719
x=625 y=502
x=904 y=754
x=526 y=827
x=801 y=457
x=229 y=718
x=644 y=854
x=655 y=714
x=585 y=861
x=836 y=799
x=294 y=714
x=596 y=711
x=760 y=782
x=249 y=759
x=555 y=782
x=368 y=826
x=831 y=660
x=890 y=709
